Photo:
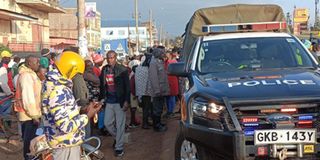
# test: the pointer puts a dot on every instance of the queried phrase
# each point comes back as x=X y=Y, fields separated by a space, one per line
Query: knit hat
x=97 y=58
x=44 y=62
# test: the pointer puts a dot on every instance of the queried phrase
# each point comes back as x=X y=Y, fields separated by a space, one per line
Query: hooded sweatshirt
x=30 y=94
x=63 y=123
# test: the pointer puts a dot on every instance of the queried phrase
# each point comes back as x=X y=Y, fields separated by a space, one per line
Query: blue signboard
x=118 y=45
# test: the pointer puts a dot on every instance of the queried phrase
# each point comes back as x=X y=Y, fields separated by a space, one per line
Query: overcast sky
x=174 y=14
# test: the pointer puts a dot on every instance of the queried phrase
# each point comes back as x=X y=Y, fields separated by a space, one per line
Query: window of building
x=142 y=32
x=131 y=31
x=121 y=32
x=5 y=26
x=109 y=32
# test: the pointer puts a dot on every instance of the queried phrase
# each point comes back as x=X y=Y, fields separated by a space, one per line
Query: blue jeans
x=171 y=103
x=101 y=119
x=5 y=107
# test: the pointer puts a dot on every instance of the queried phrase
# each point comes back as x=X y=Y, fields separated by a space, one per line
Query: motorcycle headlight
x=206 y=109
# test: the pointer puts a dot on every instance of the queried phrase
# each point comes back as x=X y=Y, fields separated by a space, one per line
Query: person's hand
x=36 y=121
x=83 y=110
x=92 y=109
x=125 y=106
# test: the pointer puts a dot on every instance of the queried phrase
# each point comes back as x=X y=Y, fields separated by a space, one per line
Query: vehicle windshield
x=248 y=54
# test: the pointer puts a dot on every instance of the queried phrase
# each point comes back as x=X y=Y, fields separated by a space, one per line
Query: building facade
x=123 y=29
x=64 y=30
x=24 y=24
x=300 y=20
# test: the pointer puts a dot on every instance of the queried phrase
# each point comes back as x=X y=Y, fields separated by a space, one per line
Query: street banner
x=91 y=9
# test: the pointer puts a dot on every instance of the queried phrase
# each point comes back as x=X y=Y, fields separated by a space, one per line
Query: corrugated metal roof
x=118 y=23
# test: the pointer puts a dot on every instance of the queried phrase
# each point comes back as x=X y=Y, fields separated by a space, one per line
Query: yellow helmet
x=5 y=53
x=69 y=64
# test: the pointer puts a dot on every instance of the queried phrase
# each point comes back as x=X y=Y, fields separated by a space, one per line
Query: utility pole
x=83 y=48
x=164 y=38
x=160 y=37
x=317 y=21
x=129 y=40
x=150 y=27
x=137 y=25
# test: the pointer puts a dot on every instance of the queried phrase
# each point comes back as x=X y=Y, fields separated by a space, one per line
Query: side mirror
x=177 y=69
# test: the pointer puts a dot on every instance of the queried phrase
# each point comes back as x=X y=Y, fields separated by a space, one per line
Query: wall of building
x=64 y=27
x=114 y=33
x=14 y=32
x=94 y=31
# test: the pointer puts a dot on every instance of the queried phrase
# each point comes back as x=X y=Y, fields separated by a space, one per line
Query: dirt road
x=143 y=145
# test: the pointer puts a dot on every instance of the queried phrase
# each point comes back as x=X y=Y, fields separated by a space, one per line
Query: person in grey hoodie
x=159 y=87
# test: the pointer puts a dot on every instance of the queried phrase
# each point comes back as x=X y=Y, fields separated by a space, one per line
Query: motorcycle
x=89 y=150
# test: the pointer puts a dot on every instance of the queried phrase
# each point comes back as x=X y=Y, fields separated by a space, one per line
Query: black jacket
x=121 y=80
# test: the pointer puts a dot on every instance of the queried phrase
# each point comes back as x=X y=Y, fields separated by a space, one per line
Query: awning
x=9 y=15
x=41 y=6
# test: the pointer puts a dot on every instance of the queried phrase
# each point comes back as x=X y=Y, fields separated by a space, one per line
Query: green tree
x=3 y=47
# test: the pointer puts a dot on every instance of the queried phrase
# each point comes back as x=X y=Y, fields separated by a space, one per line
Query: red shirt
x=96 y=71
x=10 y=78
x=173 y=80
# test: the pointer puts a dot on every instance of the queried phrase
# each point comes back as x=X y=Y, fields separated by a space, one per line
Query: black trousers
x=28 y=133
x=146 y=108
x=158 y=103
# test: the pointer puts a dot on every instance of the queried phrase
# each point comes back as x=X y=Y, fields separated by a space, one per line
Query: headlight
x=206 y=109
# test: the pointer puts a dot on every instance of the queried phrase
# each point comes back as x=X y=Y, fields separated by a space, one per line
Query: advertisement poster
x=90 y=11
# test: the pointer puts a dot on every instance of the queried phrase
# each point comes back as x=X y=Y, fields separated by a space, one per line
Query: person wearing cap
x=47 y=57
x=6 y=83
x=64 y=125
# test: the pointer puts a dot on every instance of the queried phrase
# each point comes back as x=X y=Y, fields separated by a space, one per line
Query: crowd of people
x=67 y=96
